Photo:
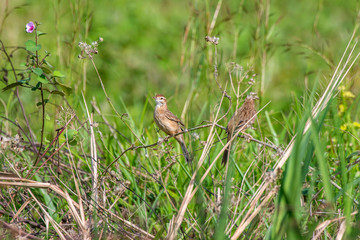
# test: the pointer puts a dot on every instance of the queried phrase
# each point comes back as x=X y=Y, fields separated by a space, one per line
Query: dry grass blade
x=253 y=201
x=5 y=175
x=48 y=148
x=217 y=10
x=94 y=159
x=73 y=171
x=62 y=193
x=235 y=135
x=190 y=192
x=81 y=222
x=320 y=105
x=56 y=226
x=130 y=225
x=187 y=198
x=20 y=234
x=341 y=231
x=24 y=184
x=322 y=226
x=247 y=221
x=20 y=210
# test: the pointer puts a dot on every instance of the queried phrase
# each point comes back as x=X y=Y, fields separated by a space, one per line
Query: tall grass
x=106 y=172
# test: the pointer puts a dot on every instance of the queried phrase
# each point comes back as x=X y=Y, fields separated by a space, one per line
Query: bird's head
x=160 y=100
x=252 y=96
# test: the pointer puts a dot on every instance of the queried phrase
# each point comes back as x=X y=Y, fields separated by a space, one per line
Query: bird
x=169 y=123
x=241 y=116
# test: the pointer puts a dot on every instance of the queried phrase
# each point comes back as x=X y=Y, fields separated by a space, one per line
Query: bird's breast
x=165 y=124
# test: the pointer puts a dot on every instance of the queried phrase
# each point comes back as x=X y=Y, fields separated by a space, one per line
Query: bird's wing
x=169 y=115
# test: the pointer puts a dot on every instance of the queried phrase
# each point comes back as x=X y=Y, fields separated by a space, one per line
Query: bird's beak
x=153 y=97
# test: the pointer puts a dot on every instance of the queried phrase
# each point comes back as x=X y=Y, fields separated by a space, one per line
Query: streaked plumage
x=169 y=123
x=240 y=117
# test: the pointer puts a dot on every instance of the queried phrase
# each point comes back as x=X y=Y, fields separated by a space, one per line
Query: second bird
x=169 y=123
x=241 y=116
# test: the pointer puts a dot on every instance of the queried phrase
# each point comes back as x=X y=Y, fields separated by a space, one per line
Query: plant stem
x=42 y=104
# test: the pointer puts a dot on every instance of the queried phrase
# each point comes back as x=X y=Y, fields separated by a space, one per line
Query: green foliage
x=32 y=46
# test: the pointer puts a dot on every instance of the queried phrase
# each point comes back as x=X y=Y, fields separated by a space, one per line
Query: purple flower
x=30 y=27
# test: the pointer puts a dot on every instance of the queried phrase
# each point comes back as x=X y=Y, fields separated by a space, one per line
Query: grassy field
x=81 y=156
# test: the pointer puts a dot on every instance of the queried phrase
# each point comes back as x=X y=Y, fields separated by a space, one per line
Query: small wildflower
x=341 y=88
x=348 y=94
x=89 y=49
x=341 y=108
x=214 y=40
x=195 y=135
x=343 y=127
x=356 y=124
x=251 y=81
x=30 y=27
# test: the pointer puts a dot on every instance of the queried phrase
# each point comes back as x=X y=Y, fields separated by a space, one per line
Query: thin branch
x=53 y=141
x=43 y=122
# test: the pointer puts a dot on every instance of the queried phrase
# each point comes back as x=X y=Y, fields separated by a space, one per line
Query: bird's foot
x=160 y=140
x=247 y=137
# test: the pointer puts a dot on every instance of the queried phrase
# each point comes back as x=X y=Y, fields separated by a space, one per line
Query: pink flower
x=30 y=27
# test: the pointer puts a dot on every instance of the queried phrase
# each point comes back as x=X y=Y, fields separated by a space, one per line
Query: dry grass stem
x=320 y=105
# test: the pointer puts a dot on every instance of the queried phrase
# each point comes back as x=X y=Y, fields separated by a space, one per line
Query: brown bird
x=169 y=123
x=240 y=117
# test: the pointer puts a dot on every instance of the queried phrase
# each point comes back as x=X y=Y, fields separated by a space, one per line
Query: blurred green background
x=158 y=47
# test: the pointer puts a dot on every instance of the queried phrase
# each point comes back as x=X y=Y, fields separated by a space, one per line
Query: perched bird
x=169 y=123
x=240 y=117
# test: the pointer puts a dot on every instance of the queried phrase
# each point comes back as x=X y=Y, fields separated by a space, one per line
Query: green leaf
x=66 y=89
x=42 y=79
x=40 y=103
x=12 y=85
x=47 y=63
x=73 y=142
x=58 y=74
x=40 y=33
x=37 y=71
x=71 y=134
x=48 y=200
x=36 y=87
x=47 y=117
x=25 y=80
x=31 y=46
x=46 y=69
x=57 y=92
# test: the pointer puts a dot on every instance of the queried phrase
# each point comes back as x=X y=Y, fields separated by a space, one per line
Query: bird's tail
x=225 y=156
x=184 y=149
x=226 y=152
x=185 y=152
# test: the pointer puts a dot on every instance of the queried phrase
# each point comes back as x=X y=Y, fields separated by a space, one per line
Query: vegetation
x=81 y=157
